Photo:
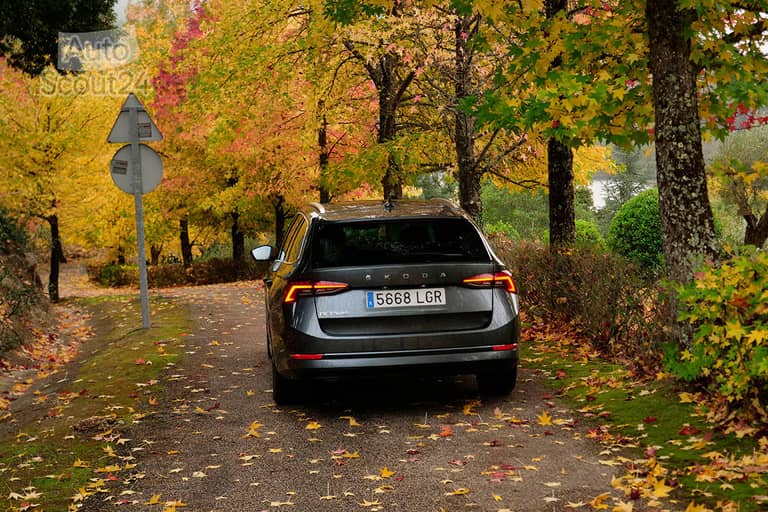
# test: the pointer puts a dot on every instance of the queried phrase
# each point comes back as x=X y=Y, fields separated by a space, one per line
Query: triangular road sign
x=121 y=130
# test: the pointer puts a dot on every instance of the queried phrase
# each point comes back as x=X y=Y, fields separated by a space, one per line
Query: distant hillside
x=23 y=305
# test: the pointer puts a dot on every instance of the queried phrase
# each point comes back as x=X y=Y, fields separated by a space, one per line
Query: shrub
x=587 y=233
x=635 y=231
x=728 y=309
x=609 y=298
x=10 y=233
x=501 y=227
x=214 y=270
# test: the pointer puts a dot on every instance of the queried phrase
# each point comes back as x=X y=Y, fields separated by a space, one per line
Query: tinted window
x=292 y=243
x=382 y=242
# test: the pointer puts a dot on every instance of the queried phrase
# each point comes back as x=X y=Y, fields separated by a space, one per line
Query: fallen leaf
x=352 y=421
x=544 y=419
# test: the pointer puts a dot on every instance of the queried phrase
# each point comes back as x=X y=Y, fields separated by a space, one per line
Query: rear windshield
x=384 y=242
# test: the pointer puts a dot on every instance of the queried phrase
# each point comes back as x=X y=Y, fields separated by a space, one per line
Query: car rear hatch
x=401 y=276
x=388 y=300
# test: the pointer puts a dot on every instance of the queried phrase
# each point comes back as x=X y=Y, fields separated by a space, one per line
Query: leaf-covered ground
x=180 y=418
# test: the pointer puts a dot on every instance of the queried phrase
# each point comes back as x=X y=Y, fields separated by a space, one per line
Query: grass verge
x=63 y=439
x=680 y=460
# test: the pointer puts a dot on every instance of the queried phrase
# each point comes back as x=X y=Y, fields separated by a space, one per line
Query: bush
x=728 y=308
x=503 y=228
x=635 y=231
x=609 y=298
x=587 y=233
x=10 y=233
x=215 y=270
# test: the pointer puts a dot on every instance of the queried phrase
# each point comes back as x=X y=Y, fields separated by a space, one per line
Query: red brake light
x=307 y=357
x=501 y=279
x=300 y=289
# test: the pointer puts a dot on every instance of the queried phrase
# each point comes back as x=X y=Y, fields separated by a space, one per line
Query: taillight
x=501 y=279
x=304 y=289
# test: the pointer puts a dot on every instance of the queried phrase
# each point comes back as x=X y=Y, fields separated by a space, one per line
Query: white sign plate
x=122 y=171
x=121 y=130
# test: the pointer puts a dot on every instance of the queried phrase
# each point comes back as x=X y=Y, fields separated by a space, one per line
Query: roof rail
x=317 y=206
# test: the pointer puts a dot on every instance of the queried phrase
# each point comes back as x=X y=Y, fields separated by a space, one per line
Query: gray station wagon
x=367 y=288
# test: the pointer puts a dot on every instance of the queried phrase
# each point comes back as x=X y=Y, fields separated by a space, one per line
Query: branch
x=527 y=184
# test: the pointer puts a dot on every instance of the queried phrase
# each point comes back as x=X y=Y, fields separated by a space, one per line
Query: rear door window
x=384 y=242
x=289 y=250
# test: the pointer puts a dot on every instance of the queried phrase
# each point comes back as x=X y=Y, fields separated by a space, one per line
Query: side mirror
x=263 y=253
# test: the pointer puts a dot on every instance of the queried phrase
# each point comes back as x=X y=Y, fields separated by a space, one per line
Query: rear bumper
x=451 y=353
x=331 y=366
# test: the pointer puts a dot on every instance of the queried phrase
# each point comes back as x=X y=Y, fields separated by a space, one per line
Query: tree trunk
x=322 y=143
x=278 y=203
x=57 y=257
x=391 y=182
x=390 y=85
x=468 y=173
x=238 y=246
x=154 y=254
x=186 y=246
x=756 y=232
x=686 y=215
x=562 y=216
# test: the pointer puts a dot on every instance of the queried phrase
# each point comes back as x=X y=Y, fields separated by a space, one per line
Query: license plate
x=406 y=298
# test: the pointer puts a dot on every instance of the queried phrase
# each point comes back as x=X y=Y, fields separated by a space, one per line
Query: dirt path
x=220 y=443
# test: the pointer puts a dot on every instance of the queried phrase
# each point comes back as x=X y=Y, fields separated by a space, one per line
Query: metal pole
x=137 y=192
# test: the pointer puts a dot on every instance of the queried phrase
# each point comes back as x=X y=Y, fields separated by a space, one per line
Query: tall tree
x=52 y=151
x=741 y=171
x=391 y=74
x=562 y=212
x=29 y=29
x=686 y=215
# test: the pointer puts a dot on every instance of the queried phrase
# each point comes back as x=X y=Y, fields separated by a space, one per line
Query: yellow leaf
x=367 y=503
x=80 y=464
x=469 y=407
x=352 y=421
x=544 y=419
x=461 y=491
x=313 y=425
x=386 y=473
x=660 y=489
x=496 y=497
x=250 y=392
x=623 y=507
x=109 y=469
x=154 y=500
x=598 y=504
x=253 y=430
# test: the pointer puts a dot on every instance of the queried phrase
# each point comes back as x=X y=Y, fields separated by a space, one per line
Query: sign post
x=136 y=169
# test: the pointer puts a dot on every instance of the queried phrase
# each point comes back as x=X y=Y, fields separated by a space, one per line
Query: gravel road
x=221 y=444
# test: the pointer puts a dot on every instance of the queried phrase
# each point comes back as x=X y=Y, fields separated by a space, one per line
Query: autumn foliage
x=728 y=307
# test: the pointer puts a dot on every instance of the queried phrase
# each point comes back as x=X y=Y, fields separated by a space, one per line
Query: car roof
x=371 y=209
